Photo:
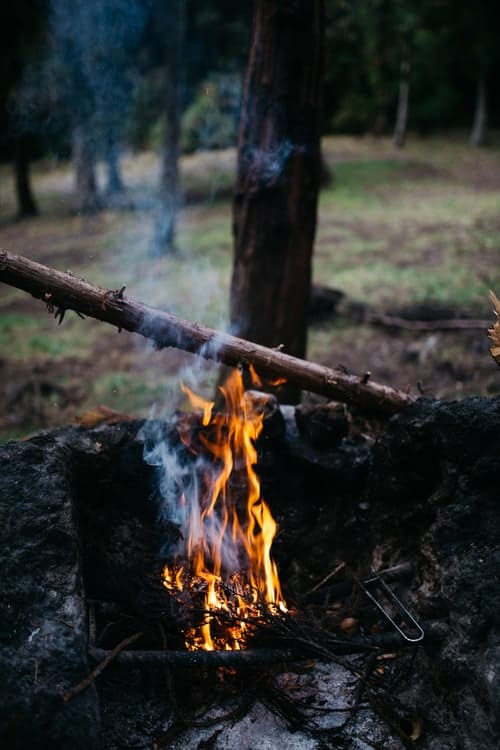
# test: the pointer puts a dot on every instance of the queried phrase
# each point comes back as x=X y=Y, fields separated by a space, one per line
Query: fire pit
x=88 y=547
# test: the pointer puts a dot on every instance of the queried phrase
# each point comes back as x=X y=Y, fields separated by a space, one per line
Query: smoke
x=178 y=473
x=87 y=76
x=84 y=72
x=268 y=163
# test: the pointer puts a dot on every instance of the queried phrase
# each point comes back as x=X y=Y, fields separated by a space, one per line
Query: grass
x=24 y=337
x=395 y=229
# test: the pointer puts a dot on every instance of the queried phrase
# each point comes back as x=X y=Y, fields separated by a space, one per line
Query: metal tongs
x=413 y=632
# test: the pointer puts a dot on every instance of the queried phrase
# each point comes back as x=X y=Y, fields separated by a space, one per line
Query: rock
x=322 y=425
x=43 y=648
x=349 y=625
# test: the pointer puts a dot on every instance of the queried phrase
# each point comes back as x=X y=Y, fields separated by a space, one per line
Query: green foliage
x=110 y=59
x=211 y=120
x=446 y=46
x=353 y=115
x=144 y=123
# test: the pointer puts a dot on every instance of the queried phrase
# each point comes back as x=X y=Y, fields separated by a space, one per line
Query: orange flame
x=228 y=546
x=277 y=381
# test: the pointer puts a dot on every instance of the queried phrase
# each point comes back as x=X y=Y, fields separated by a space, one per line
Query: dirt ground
x=414 y=234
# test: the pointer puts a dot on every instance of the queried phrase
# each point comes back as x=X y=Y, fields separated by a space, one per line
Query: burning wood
x=227 y=528
x=63 y=291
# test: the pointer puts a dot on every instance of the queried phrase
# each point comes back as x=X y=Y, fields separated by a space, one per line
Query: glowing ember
x=229 y=528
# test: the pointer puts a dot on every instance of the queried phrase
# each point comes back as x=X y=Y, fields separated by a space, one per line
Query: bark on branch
x=63 y=291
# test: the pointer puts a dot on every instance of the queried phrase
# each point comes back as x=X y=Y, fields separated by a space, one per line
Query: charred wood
x=452 y=324
x=196 y=659
x=256 y=656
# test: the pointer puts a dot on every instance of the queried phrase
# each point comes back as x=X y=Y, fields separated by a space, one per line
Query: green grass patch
x=129 y=392
x=26 y=336
x=18 y=433
x=364 y=175
x=142 y=394
x=381 y=284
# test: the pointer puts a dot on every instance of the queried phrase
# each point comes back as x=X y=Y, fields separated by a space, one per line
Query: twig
x=69 y=694
x=327 y=578
x=182 y=721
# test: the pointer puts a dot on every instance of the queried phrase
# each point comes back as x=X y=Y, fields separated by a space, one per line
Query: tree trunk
x=115 y=182
x=84 y=159
x=26 y=205
x=279 y=171
x=168 y=199
x=402 y=113
x=478 y=133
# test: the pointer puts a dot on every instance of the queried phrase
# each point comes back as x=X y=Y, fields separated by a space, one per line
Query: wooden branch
x=63 y=291
x=151 y=659
x=108 y=658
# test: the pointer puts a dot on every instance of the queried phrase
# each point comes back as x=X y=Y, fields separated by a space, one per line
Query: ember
x=224 y=558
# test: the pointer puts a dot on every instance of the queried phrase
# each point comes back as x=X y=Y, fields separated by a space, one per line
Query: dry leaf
x=417 y=729
x=494 y=333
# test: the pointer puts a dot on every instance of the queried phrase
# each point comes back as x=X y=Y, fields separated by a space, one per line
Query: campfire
x=172 y=627
x=333 y=667
x=223 y=567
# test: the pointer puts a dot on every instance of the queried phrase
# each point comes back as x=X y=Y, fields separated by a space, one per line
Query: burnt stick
x=63 y=291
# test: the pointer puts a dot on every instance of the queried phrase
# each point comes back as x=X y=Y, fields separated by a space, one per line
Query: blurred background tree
x=21 y=35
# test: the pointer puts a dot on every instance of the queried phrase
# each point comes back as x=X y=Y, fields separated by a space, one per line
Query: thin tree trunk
x=26 y=205
x=84 y=159
x=403 y=100
x=327 y=174
x=478 y=133
x=115 y=182
x=279 y=171
x=168 y=199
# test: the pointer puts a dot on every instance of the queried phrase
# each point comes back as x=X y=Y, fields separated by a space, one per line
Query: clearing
x=413 y=232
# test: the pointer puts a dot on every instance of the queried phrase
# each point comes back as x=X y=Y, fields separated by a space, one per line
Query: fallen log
x=452 y=324
x=64 y=291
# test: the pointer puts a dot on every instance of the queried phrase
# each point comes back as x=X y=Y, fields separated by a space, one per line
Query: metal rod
x=376 y=583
